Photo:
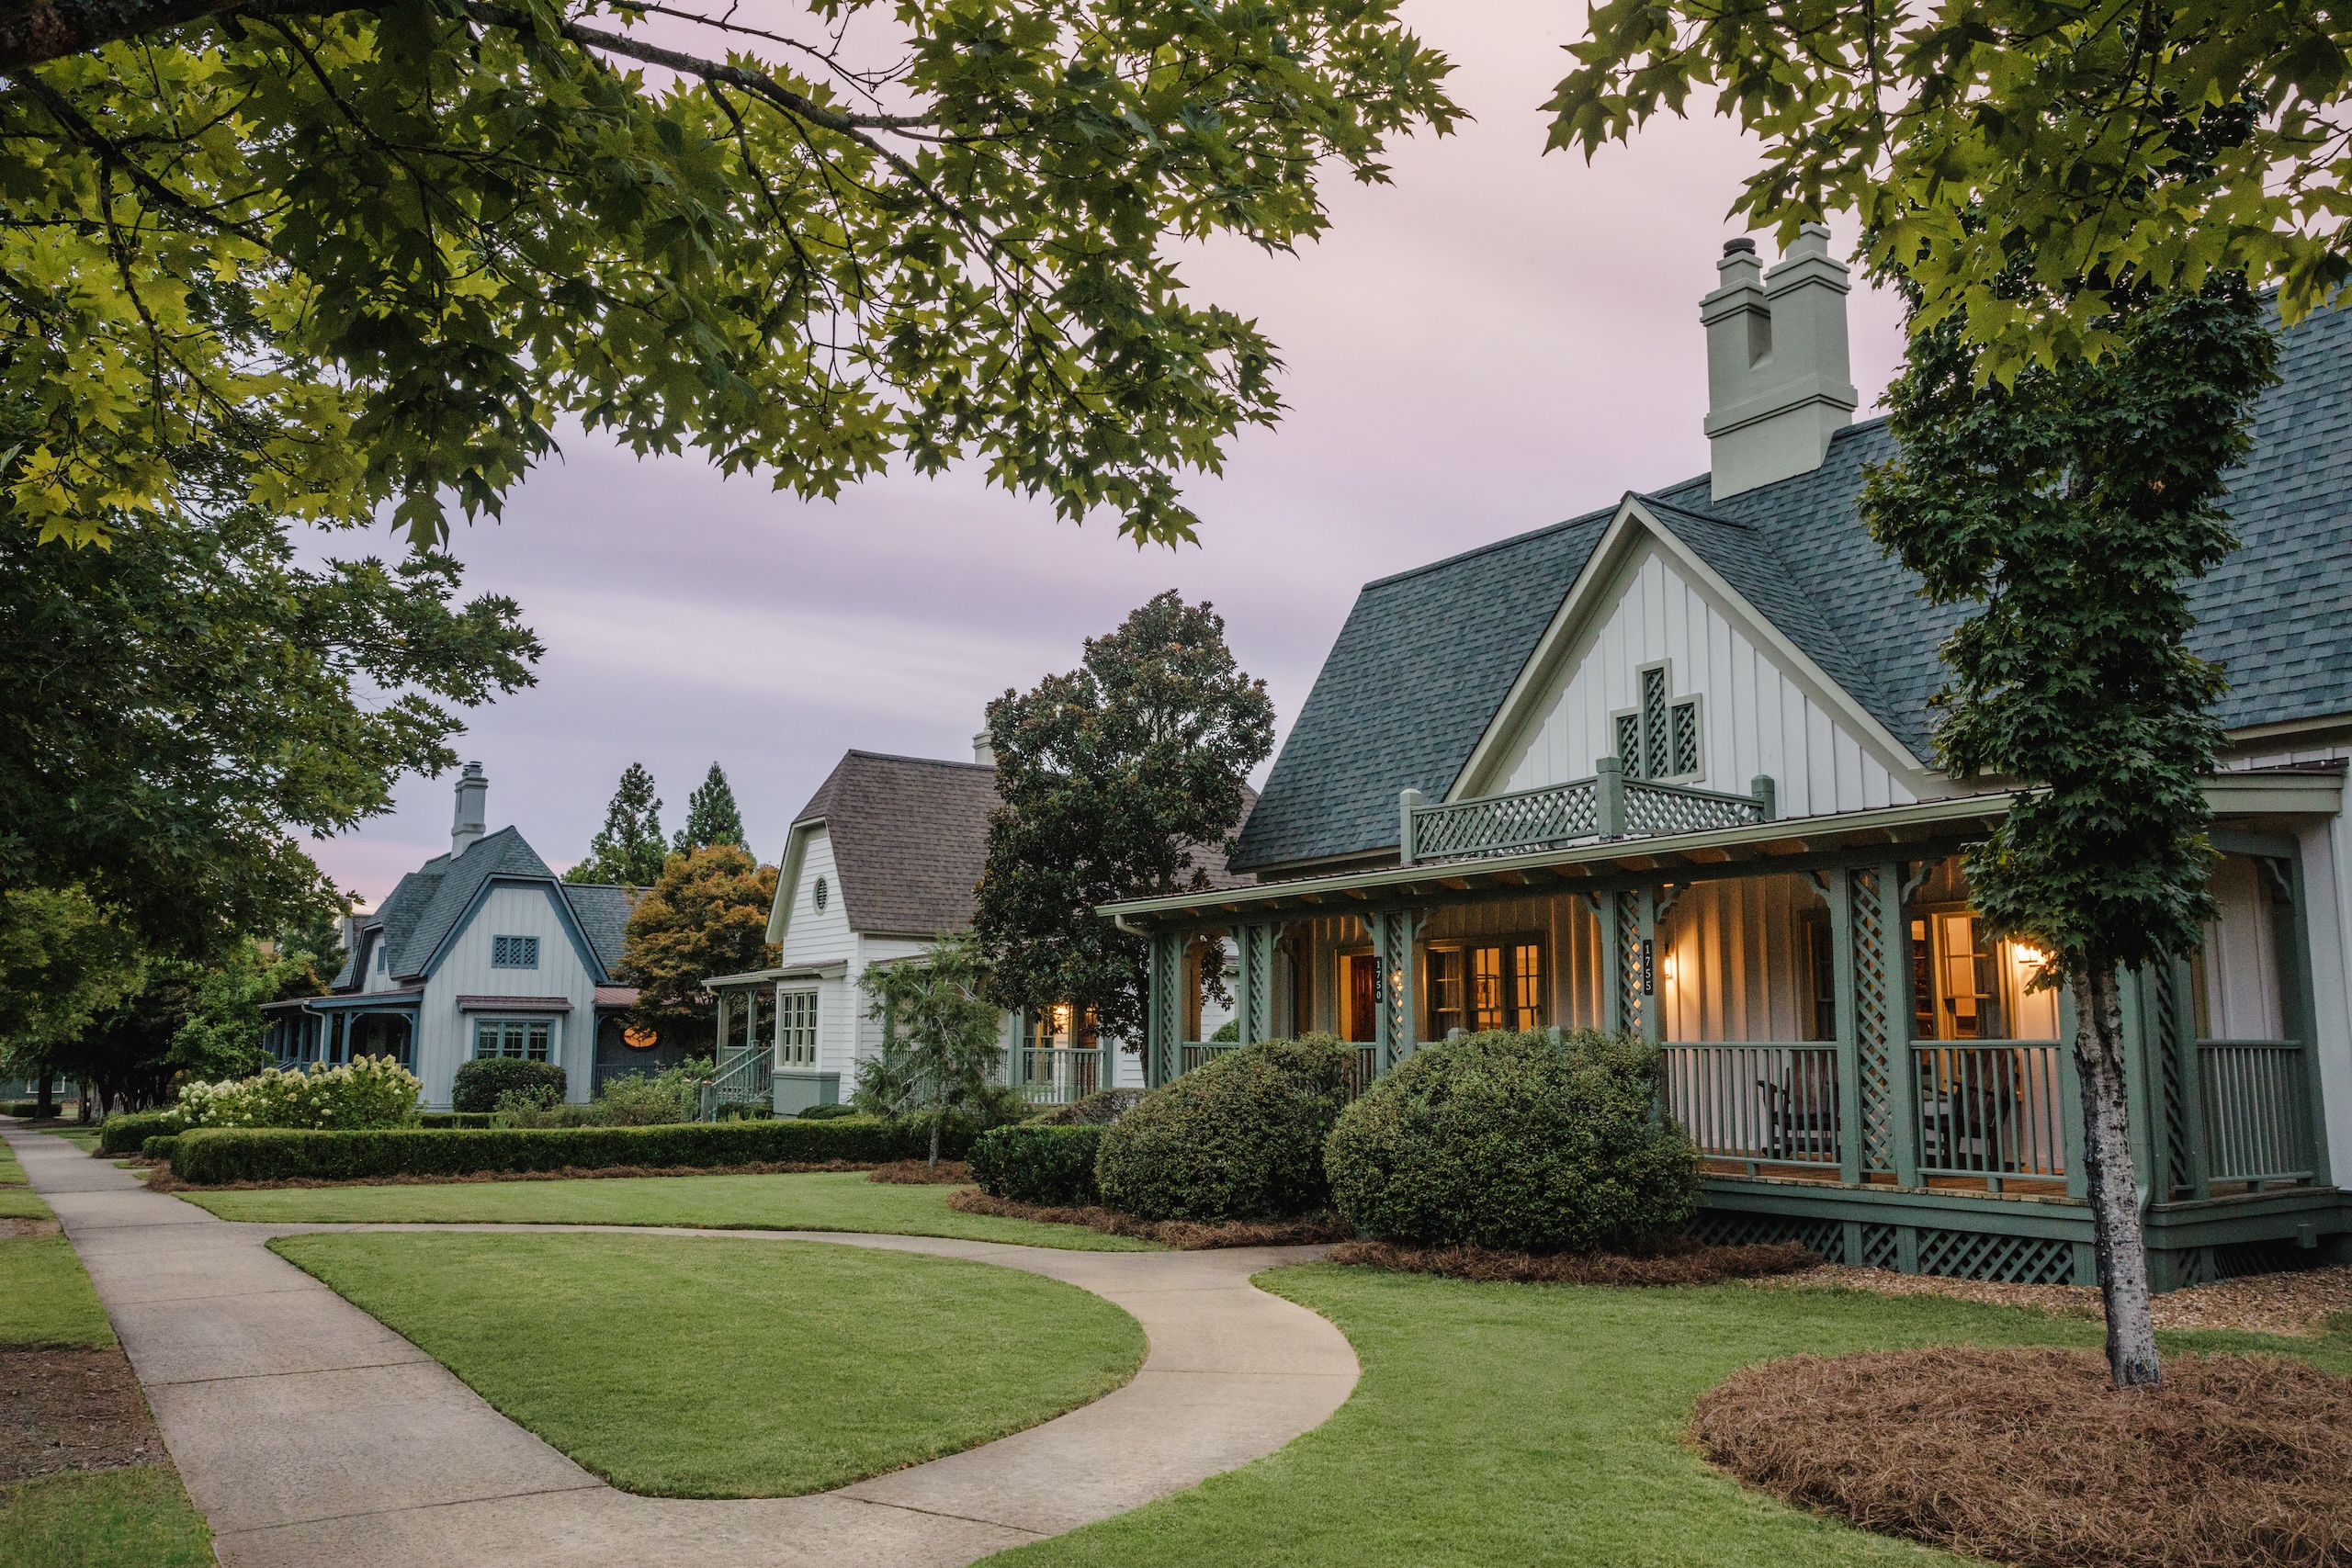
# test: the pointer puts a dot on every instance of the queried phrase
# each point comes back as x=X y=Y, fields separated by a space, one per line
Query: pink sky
x=1497 y=340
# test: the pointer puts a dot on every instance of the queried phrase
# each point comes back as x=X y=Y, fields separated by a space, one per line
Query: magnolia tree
x=943 y=1039
x=2074 y=507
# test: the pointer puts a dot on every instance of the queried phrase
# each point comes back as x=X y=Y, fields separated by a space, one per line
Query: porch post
x=2070 y=1111
x=1888 y=1067
x=1254 y=990
x=2292 y=937
x=1645 y=963
x=2132 y=993
x=1164 y=1022
x=1621 y=924
x=1850 y=1057
x=1608 y=797
x=1394 y=1025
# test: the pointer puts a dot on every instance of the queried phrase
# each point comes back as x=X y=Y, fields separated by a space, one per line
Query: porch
x=1861 y=1068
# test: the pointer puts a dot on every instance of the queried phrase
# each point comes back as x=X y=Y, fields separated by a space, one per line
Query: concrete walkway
x=309 y=1433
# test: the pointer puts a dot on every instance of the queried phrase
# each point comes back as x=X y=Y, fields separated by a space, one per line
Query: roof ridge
x=926 y=762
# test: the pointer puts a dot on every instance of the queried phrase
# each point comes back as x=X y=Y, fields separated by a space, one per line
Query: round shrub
x=482 y=1080
x=1240 y=1138
x=1516 y=1142
x=1032 y=1162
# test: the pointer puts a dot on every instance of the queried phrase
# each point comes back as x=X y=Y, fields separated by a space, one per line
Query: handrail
x=1990 y=1107
x=1755 y=1101
x=1057 y=1075
x=1606 y=805
x=2257 y=1113
x=747 y=1079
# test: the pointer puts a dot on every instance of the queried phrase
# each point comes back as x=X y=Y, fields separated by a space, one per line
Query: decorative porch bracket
x=1606 y=805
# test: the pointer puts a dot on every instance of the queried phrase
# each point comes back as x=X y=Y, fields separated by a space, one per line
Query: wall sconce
x=2033 y=956
x=1666 y=967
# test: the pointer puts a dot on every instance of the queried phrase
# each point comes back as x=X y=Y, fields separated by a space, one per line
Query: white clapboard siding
x=1756 y=718
x=814 y=936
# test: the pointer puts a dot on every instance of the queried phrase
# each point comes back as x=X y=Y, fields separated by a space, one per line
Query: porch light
x=2033 y=956
x=1061 y=1018
x=1665 y=967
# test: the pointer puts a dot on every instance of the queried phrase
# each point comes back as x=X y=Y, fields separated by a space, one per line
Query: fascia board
x=787 y=881
x=2263 y=795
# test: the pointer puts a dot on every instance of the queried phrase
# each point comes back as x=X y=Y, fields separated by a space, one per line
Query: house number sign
x=1648 y=984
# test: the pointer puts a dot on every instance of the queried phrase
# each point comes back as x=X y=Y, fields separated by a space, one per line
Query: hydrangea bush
x=374 y=1091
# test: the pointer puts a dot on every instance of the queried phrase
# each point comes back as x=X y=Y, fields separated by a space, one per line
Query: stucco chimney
x=982 y=751
x=1780 y=379
x=466 y=830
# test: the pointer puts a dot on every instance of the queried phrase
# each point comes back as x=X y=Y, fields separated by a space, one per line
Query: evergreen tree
x=628 y=849
x=2072 y=510
x=711 y=816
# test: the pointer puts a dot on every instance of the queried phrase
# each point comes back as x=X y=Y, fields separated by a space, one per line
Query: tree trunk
x=938 y=1115
x=47 y=1097
x=2107 y=1166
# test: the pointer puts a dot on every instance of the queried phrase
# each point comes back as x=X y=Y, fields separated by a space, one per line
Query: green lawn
x=11 y=1173
x=1508 y=1425
x=22 y=1203
x=45 y=1297
x=736 y=1369
x=820 y=1201
x=132 y=1517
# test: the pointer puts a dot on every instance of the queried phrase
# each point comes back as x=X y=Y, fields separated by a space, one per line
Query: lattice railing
x=1508 y=824
x=2258 y=1120
x=1759 y=1104
x=1654 y=808
x=746 y=1079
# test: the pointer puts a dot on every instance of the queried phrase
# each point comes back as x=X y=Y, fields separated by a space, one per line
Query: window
x=524 y=1039
x=514 y=952
x=795 y=1029
x=1659 y=739
x=819 y=893
x=1499 y=986
x=1446 y=1012
x=383 y=957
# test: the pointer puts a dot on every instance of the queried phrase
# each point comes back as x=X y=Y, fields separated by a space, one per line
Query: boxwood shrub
x=1240 y=1138
x=1520 y=1142
x=1032 y=1162
x=209 y=1155
x=480 y=1082
x=126 y=1131
x=160 y=1147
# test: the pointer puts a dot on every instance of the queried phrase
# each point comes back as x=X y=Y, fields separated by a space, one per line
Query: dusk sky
x=1497 y=340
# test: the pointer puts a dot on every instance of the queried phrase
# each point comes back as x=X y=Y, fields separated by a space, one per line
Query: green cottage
x=1666 y=767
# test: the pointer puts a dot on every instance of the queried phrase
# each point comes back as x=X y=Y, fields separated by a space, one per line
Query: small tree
x=628 y=849
x=707 y=914
x=711 y=816
x=1113 y=777
x=943 y=1037
x=2073 y=509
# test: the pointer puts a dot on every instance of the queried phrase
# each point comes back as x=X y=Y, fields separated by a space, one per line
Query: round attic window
x=821 y=893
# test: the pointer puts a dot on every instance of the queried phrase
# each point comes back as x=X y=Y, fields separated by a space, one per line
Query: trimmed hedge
x=1517 y=1143
x=28 y=1109
x=1032 y=1162
x=454 y=1119
x=1241 y=1138
x=126 y=1133
x=480 y=1081
x=160 y=1147
x=209 y=1155
x=828 y=1112
x=1099 y=1109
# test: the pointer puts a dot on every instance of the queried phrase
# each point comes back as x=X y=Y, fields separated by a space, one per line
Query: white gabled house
x=1666 y=767
x=481 y=951
x=881 y=863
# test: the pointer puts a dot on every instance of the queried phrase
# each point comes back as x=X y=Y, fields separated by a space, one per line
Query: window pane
x=537 y=1049
x=1486 y=1003
x=1445 y=992
x=1527 y=985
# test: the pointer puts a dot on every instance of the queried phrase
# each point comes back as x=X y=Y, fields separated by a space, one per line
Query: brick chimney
x=473 y=791
x=1780 y=381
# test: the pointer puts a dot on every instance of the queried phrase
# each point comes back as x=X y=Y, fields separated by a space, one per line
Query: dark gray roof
x=1427 y=656
x=430 y=901
x=910 y=837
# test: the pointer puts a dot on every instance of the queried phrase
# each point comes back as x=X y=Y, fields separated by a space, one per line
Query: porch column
x=1396 y=1022
x=1887 y=1076
x=1254 y=988
x=1163 y=1023
x=2298 y=998
x=1835 y=889
x=2189 y=1070
x=1621 y=938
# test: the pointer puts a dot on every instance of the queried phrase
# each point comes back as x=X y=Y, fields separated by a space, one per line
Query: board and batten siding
x=445 y=1035
x=1755 y=718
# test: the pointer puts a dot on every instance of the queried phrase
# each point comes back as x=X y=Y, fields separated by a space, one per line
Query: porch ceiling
x=2258 y=799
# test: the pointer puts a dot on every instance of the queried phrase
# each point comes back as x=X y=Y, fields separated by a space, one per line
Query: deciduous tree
x=1113 y=777
x=382 y=250
x=627 y=849
x=707 y=914
x=2073 y=509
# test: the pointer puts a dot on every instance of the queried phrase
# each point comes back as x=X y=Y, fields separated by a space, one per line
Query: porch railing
x=2258 y=1111
x=1056 y=1075
x=1990 y=1107
x=1762 y=1104
x=1606 y=805
x=747 y=1078
x=1195 y=1054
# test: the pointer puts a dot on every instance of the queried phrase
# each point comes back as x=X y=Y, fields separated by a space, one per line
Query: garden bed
x=1680 y=1262
x=1185 y=1235
x=2027 y=1457
x=71 y=1408
x=922 y=1173
x=2297 y=1301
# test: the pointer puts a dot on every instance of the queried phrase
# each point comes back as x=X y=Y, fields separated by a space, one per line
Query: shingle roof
x=910 y=840
x=1427 y=656
x=430 y=901
x=602 y=911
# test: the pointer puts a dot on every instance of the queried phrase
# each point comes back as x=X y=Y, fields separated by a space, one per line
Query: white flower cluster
x=374 y=1091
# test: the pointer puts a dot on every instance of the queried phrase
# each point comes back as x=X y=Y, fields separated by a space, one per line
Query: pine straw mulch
x=1184 y=1235
x=2298 y=1301
x=72 y=1409
x=21 y=1226
x=1678 y=1261
x=2027 y=1457
x=922 y=1173
x=162 y=1180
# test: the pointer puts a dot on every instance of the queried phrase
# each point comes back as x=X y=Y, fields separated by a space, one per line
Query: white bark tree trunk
x=2107 y=1165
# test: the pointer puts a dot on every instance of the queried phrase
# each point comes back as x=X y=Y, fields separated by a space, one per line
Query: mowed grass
x=46 y=1299
x=1499 y=1426
x=137 y=1516
x=818 y=1200
x=11 y=1173
x=690 y=1368
x=22 y=1203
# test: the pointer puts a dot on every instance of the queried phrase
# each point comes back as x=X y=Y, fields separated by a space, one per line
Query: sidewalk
x=308 y=1433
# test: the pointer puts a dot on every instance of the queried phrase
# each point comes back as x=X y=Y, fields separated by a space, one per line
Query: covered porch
x=1860 y=1065
x=332 y=1031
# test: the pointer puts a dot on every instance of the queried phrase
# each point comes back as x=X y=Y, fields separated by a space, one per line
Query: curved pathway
x=308 y=1432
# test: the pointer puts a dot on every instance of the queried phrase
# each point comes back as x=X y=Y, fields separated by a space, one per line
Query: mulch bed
x=162 y=1179
x=2027 y=1457
x=63 y=1410
x=1185 y=1235
x=12 y=1228
x=2294 y=1302
x=921 y=1173
x=1680 y=1262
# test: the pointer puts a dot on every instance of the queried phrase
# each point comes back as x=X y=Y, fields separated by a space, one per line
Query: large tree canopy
x=382 y=249
x=2094 y=149
x=177 y=708
x=707 y=914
